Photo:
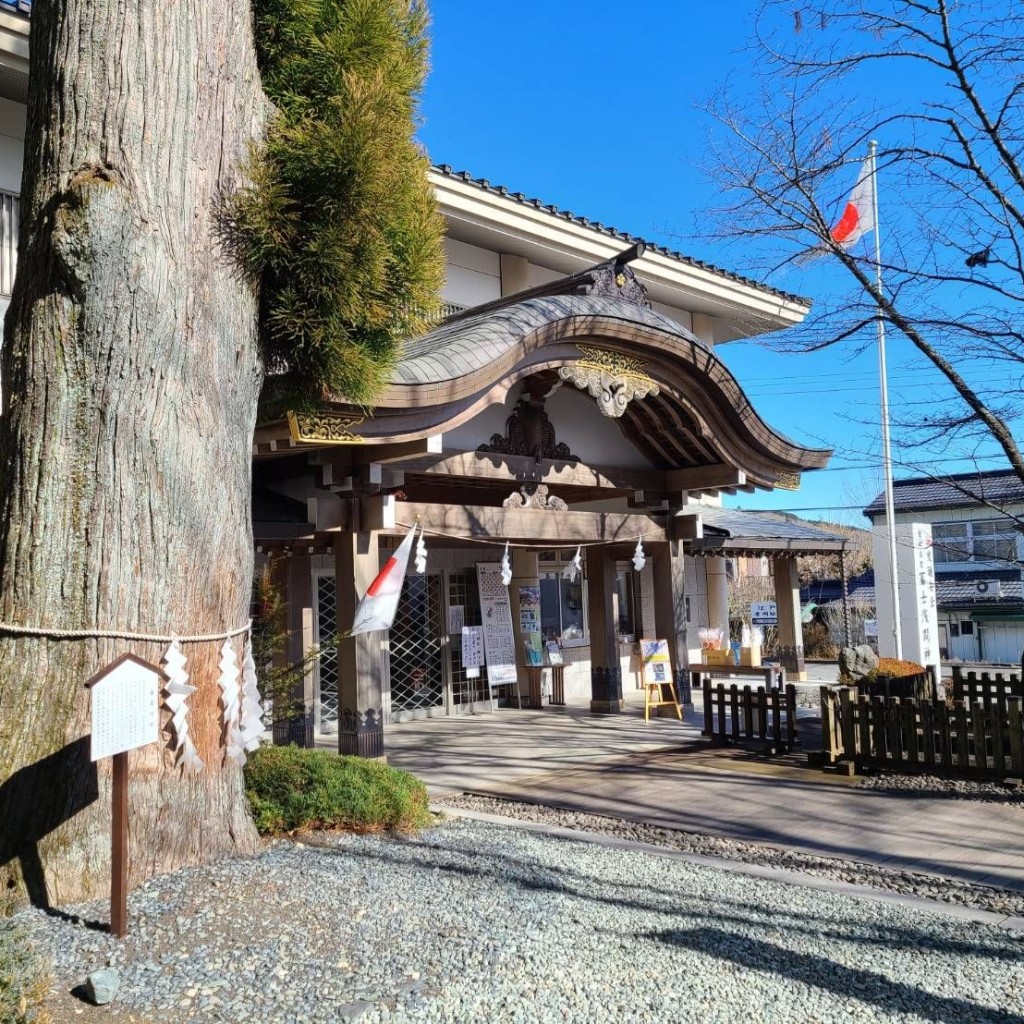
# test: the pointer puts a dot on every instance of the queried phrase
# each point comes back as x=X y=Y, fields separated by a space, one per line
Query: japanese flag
x=859 y=215
x=377 y=609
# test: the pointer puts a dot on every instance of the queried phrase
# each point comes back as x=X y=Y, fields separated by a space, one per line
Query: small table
x=774 y=676
x=535 y=685
x=557 y=684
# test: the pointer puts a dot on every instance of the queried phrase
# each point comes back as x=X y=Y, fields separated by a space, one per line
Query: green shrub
x=23 y=977
x=290 y=788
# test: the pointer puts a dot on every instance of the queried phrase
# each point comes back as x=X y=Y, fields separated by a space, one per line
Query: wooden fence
x=911 y=735
x=732 y=713
x=922 y=686
x=986 y=686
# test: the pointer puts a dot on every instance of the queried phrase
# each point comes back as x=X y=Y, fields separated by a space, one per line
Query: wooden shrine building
x=568 y=415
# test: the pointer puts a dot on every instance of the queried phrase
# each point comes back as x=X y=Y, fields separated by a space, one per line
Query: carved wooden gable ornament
x=613 y=380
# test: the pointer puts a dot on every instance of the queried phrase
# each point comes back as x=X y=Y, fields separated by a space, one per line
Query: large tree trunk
x=131 y=374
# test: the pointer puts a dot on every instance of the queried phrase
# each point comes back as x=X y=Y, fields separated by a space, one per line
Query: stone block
x=101 y=986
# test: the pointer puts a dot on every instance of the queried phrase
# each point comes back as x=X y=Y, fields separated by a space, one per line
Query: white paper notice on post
x=125 y=706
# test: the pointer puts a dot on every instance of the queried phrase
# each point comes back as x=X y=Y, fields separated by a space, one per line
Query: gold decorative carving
x=534 y=496
x=788 y=481
x=612 y=379
x=324 y=428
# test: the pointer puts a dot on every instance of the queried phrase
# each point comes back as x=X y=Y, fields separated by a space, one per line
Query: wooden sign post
x=125 y=715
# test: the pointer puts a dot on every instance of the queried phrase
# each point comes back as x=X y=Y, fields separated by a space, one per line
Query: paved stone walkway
x=661 y=772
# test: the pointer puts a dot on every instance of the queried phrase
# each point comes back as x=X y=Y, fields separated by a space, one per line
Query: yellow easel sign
x=659 y=687
x=657 y=663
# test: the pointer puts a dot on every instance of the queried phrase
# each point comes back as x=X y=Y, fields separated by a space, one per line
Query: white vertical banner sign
x=915 y=574
x=496 y=611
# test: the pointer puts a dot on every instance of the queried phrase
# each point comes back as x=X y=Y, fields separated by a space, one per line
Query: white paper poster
x=472 y=650
x=456 y=619
x=472 y=646
x=499 y=641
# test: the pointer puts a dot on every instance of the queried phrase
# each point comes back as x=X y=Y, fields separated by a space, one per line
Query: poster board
x=125 y=705
x=496 y=612
x=657 y=664
x=529 y=623
x=472 y=650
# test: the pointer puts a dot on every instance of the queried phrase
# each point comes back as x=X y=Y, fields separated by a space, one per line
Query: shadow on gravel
x=819 y=972
x=655 y=899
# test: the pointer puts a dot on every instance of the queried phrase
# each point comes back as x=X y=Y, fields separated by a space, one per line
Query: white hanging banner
x=496 y=611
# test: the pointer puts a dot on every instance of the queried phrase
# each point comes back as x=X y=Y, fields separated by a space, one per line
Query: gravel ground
x=473 y=922
x=909 y=883
x=954 y=789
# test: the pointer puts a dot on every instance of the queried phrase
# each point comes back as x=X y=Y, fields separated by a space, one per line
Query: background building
x=977 y=523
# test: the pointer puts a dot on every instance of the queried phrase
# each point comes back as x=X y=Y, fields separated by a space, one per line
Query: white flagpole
x=890 y=513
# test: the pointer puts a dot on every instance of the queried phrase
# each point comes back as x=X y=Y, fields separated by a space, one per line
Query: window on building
x=563 y=603
x=993 y=541
x=986 y=540
x=950 y=542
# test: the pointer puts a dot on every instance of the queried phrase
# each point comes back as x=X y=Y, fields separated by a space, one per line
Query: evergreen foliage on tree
x=340 y=224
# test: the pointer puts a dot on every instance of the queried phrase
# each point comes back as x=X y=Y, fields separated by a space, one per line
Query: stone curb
x=781 y=875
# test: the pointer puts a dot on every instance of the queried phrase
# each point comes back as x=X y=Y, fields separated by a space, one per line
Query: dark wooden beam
x=705 y=478
x=522 y=468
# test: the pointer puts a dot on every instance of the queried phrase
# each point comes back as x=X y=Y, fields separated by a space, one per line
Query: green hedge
x=290 y=788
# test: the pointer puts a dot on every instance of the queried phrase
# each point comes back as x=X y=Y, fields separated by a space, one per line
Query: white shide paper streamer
x=176 y=695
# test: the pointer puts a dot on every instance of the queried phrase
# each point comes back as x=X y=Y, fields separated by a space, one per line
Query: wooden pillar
x=605 y=671
x=787 y=600
x=293 y=578
x=718 y=596
x=525 y=572
x=670 y=611
x=360 y=658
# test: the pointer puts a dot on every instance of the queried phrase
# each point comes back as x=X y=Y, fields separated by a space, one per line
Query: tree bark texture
x=131 y=374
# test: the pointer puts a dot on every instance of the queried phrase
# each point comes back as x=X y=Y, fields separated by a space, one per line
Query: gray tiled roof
x=760 y=525
x=960 y=590
x=952 y=590
x=956 y=491
x=604 y=229
x=472 y=342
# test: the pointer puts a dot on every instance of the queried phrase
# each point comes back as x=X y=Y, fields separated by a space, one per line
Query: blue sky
x=599 y=108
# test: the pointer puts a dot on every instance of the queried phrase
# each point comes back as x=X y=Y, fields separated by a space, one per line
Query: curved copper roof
x=700 y=416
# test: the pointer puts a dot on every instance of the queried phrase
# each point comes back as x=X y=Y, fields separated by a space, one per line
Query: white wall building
x=977 y=524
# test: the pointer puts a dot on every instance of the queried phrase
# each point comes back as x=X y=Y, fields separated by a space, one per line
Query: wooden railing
x=734 y=714
x=914 y=735
x=986 y=686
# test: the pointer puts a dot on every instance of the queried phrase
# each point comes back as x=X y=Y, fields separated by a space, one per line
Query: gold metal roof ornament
x=324 y=428
x=612 y=379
